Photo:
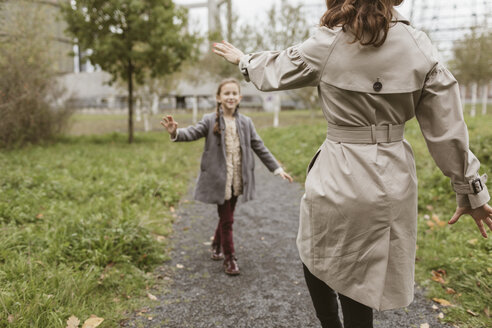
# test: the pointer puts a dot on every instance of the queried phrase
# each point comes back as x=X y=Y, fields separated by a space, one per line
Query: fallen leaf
x=441 y=315
x=430 y=224
x=73 y=322
x=489 y=270
x=161 y=239
x=473 y=241
x=472 y=313
x=436 y=219
x=442 y=301
x=424 y=325
x=39 y=216
x=487 y=312
x=152 y=297
x=438 y=277
x=144 y=310
x=435 y=307
x=179 y=266
x=450 y=291
x=11 y=318
x=430 y=207
x=207 y=243
x=92 y=322
x=150 y=318
x=171 y=208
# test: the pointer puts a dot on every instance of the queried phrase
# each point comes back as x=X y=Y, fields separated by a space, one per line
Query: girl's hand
x=170 y=125
x=228 y=51
x=480 y=215
x=285 y=176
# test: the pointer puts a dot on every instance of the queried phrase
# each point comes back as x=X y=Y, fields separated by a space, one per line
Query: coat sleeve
x=261 y=150
x=295 y=67
x=440 y=116
x=195 y=132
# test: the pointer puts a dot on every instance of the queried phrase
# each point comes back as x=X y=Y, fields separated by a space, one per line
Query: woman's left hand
x=481 y=215
x=228 y=51
x=285 y=176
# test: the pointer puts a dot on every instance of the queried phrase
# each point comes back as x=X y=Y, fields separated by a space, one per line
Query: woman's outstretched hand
x=228 y=51
x=286 y=176
x=481 y=215
x=170 y=125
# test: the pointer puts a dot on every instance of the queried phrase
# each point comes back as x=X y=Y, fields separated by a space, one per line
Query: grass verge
x=83 y=222
x=453 y=263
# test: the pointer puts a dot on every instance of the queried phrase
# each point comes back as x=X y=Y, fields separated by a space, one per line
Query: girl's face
x=229 y=97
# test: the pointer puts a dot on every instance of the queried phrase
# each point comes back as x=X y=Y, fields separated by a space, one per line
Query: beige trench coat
x=358 y=216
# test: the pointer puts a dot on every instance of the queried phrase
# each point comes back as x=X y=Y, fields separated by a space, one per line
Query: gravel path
x=270 y=292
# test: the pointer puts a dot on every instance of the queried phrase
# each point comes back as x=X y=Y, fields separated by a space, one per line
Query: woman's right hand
x=481 y=215
x=170 y=125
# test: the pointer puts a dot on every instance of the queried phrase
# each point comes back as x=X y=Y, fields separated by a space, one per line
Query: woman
x=358 y=218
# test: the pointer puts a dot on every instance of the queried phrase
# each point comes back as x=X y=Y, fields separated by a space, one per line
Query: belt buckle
x=476 y=185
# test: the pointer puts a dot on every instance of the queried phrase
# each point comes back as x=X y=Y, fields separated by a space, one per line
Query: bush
x=29 y=95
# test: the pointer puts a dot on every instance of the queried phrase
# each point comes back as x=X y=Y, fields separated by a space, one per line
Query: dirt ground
x=270 y=292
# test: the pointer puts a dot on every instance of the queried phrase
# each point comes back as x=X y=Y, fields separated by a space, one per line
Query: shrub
x=30 y=106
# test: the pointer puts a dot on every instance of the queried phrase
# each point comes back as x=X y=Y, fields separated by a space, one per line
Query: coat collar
x=221 y=112
x=397 y=17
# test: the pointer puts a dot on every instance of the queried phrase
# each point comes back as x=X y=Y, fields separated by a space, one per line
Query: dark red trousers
x=223 y=233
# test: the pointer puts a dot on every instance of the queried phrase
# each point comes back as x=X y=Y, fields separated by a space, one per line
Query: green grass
x=459 y=249
x=81 y=225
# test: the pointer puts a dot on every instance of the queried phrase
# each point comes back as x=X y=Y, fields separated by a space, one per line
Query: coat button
x=377 y=86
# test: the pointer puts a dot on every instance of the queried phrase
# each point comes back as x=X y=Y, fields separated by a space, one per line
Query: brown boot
x=216 y=253
x=230 y=265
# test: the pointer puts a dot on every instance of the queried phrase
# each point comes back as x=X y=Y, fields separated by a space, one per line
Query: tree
x=472 y=62
x=131 y=39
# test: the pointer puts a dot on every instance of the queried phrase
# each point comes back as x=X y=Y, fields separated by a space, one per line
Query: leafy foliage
x=473 y=58
x=131 y=39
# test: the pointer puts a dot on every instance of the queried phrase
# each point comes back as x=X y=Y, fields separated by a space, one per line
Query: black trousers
x=355 y=315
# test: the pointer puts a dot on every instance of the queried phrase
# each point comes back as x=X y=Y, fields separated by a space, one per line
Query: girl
x=358 y=217
x=227 y=165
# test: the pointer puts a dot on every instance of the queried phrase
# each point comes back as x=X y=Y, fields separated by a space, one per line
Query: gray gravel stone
x=270 y=292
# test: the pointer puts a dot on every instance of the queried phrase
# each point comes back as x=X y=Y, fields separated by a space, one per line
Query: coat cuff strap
x=474 y=186
x=470 y=198
x=243 y=66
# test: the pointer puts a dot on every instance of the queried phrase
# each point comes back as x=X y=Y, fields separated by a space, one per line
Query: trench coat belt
x=371 y=134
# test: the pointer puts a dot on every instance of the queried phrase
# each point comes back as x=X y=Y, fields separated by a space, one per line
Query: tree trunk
x=130 y=102
x=463 y=97
x=485 y=97
x=473 y=111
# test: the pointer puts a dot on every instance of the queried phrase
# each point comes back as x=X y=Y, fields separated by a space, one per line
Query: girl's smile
x=229 y=98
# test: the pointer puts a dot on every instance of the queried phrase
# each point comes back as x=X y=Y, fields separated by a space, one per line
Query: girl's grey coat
x=210 y=187
x=358 y=217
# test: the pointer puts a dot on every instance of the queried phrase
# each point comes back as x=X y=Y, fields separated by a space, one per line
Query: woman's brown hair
x=369 y=20
x=217 y=113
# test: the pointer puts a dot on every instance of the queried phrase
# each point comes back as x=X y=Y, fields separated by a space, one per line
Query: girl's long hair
x=217 y=131
x=368 y=20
